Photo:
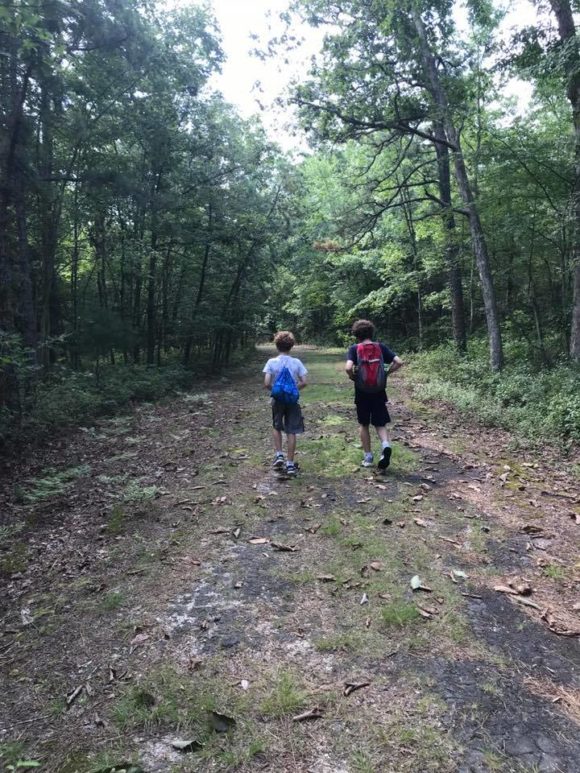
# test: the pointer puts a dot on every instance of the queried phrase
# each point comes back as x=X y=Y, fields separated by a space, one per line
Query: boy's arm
x=349 y=368
x=267 y=380
x=302 y=382
x=395 y=364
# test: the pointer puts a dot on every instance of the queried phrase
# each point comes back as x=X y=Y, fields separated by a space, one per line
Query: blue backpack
x=284 y=389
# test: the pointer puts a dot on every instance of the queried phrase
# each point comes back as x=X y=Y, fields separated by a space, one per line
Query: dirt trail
x=163 y=586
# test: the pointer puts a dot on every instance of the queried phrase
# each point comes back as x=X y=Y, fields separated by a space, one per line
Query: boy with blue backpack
x=365 y=365
x=284 y=377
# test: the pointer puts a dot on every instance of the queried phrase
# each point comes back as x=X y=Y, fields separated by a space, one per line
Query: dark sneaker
x=278 y=463
x=291 y=469
x=385 y=459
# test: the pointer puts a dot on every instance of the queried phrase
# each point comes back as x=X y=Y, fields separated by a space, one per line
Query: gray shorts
x=287 y=418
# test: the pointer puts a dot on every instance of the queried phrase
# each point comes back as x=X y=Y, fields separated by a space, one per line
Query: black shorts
x=372 y=409
x=287 y=418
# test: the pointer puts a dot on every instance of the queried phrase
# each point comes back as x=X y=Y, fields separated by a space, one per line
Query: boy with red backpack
x=365 y=365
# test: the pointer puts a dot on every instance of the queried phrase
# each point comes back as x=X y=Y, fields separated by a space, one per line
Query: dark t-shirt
x=388 y=357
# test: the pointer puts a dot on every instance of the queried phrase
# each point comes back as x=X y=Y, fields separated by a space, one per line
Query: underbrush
x=538 y=405
x=71 y=398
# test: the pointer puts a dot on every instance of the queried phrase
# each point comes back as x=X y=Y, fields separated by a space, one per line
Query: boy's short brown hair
x=284 y=340
x=362 y=329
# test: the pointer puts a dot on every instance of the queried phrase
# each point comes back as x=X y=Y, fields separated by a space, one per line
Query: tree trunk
x=454 y=277
x=477 y=236
x=567 y=32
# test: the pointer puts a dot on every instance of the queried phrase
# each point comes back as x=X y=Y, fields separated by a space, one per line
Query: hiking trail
x=171 y=603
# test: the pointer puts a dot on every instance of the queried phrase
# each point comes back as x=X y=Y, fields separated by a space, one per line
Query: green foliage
x=541 y=405
x=52 y=483
x=399 y=613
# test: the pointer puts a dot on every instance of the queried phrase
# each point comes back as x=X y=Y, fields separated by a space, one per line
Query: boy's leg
x=380 y=419
x=291 y=438
x=365 y=438
x=277 y=437
x=363 y=414
x=277 y=420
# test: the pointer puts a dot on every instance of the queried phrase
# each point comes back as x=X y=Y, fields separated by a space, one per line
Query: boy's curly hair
x=284 y=340
x=362 y=329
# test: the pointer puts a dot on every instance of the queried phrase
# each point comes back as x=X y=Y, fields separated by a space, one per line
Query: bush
x=540 y=405
x=69 y=398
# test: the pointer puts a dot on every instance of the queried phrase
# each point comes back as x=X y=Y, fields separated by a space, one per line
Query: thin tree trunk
x=477 y=236
x=454 y=277
x=567 y=32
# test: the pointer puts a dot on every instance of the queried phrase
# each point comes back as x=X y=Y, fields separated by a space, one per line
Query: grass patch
x=331 y=528
x=116 y=520
x=332 y=455
x=349 y=641
x=15 y=559
x=286 y=696
x=51 y=484
x=112 y=601
x=136 y=492
x=555 y=572
x=399 y=614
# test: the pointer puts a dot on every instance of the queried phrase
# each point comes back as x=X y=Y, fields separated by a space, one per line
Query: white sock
x=386 y=444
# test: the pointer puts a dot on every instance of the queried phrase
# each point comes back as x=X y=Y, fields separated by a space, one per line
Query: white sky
x=238 y=19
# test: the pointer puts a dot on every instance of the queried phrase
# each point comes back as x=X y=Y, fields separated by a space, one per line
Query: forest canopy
x=146 y=228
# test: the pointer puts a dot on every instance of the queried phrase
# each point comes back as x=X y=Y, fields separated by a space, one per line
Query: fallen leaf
x=401 y=524
x=458 y=574
x=258 y=541
x=236 y=532
x=376 y=566
x=364 y=599
x=284 y=548
x=505 y=589
x=416 y=584
x=141 y=638
x=418 y=498
x=186 y=746
x=219 y=530
x=313 y=529
x=315 y=713
x=421 y=522
x=221 y=723
x=350 y=687
x=531 y=528
x=244 y=684
x=326 y=578
x=521 y=586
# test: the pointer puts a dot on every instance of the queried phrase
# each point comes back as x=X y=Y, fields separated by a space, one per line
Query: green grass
x=15 y=559
x=51 y=484
x=112 y=601
x=555 y=572
x=116 y=520
x=286 y=696
x=136 y=492
x=399 y=614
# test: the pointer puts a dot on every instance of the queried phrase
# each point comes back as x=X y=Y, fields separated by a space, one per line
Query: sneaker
x=278 y=463
x=291 y=469
x=385 y=459
x=367 y=461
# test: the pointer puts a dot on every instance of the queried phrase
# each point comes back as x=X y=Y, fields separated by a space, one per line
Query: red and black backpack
x=370 y=373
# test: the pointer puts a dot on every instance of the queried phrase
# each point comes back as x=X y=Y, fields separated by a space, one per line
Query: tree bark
x=477 y=236
x=567 y=32
x=454 y=277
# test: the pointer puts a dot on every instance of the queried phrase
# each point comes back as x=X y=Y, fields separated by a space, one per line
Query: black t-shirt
x=388 y=357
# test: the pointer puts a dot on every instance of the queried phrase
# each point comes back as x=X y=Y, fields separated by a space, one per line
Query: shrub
x=540 y=405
